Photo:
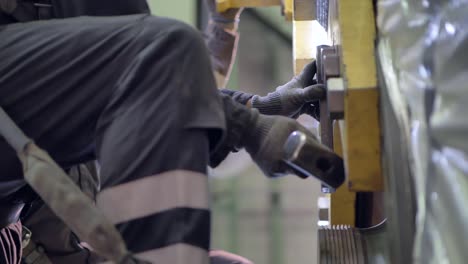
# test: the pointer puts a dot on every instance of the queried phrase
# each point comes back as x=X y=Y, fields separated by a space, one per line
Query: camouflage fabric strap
x=52 y=234
x=62 y=195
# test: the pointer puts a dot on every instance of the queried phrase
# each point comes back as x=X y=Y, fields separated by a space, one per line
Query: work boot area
x=233 y=131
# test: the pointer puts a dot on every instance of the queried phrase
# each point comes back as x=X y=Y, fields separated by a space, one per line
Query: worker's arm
x=263 y=137
x=298 y=96
x=221 y=38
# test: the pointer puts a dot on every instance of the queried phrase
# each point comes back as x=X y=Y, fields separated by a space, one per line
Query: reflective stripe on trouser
x=177 y=253
x=154 y=194
x=174 y=207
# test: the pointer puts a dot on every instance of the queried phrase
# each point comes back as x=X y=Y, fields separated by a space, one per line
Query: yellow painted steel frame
x=342 y=202
x=223 y=5
x=361 y=132
x=352 y=30
x=361 y=141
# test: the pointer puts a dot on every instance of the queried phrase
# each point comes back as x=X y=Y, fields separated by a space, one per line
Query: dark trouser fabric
x=136 y=92
x=10 y=244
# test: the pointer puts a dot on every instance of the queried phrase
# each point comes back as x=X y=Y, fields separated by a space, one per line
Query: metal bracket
x=332 y=107
x=328 y=73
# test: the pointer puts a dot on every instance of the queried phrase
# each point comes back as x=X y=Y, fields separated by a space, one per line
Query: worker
x=52 y=239
x=123 y=69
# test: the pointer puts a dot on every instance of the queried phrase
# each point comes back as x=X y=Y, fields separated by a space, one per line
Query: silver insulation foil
x=423 y=54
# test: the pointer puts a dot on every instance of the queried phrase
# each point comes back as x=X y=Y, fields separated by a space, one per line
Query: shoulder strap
x=62 y=195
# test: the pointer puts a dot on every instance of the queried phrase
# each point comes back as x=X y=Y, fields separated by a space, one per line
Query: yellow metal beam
x=288 y=9
x=352 y=31
x=343 y=201
x=223 y=5
x=362 y=129
x=303 y=50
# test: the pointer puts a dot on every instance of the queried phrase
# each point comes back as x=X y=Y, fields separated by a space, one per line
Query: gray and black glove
x=262 y=136
x=265 y=140
x=298 y=96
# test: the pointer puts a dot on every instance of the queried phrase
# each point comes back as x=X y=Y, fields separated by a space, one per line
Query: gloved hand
x=264 y=140
x=298 y=96
x=262 y=136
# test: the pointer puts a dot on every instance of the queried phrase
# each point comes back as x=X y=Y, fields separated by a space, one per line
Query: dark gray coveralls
x=137 y=93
